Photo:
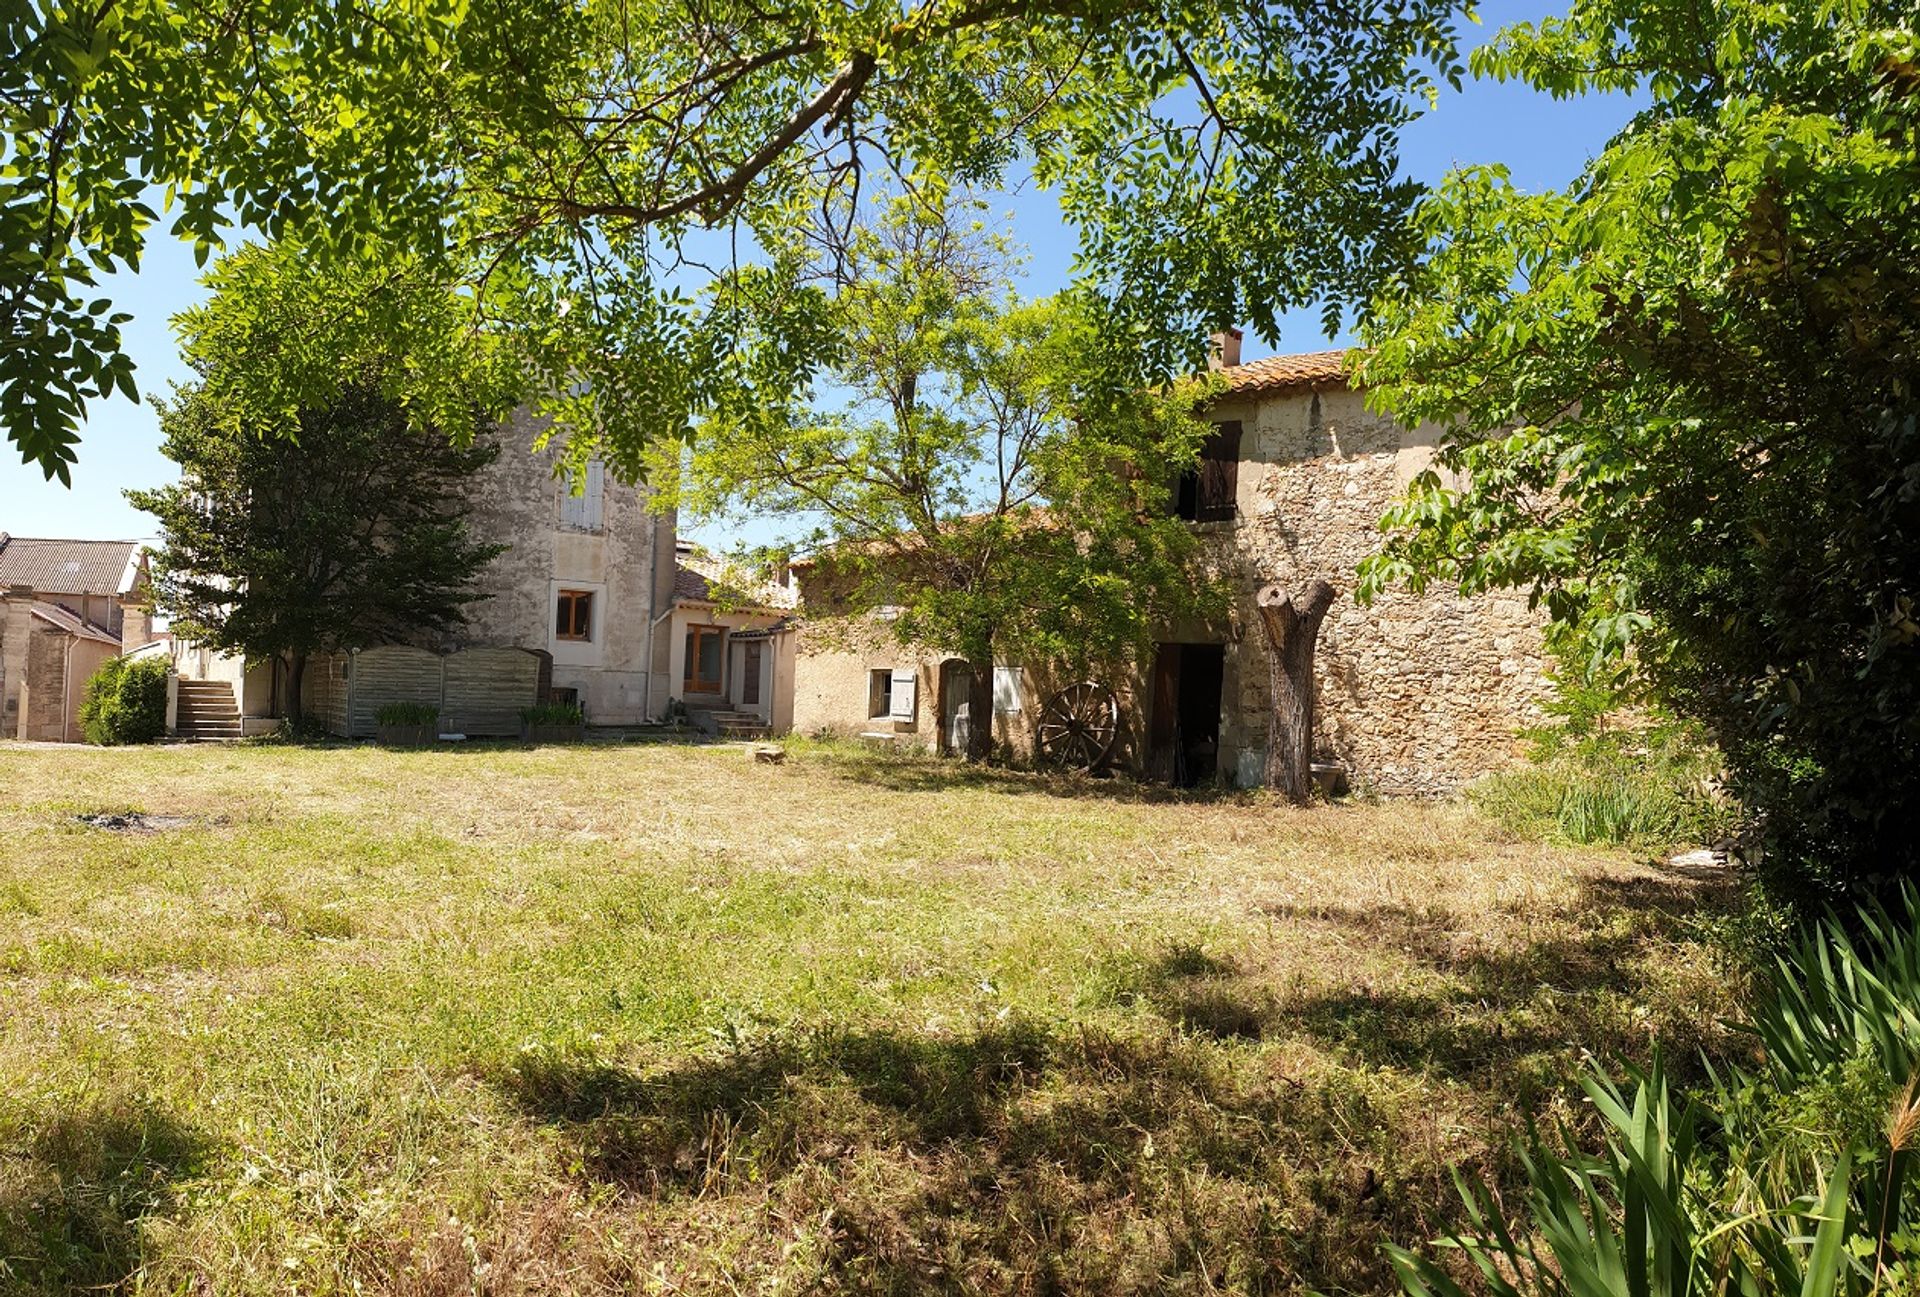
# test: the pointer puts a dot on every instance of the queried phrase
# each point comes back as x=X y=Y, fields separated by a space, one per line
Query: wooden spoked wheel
x=1079 y=726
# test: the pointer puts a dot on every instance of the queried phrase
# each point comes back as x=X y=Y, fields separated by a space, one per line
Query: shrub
x=1795 y=1178
x=125 y=701
x=407 y=714
x=554 y=714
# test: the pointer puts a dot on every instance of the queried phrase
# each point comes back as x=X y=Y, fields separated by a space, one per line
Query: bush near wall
x=125 y=702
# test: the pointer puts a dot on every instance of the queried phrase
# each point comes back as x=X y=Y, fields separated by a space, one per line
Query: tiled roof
x=72 y=625
x=1284 y=373
x=69 y=566
x=696 y=573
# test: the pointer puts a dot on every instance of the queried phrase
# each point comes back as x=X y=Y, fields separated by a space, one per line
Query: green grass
x=657 y=1018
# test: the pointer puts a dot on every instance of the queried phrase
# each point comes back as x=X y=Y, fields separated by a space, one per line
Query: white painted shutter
x=586 y=511
x=903 y=683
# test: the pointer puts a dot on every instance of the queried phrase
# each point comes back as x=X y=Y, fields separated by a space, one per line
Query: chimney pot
x=1224 y=351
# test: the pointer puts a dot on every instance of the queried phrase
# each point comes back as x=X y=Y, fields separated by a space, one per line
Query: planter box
x=553 y=733
x=406 y=736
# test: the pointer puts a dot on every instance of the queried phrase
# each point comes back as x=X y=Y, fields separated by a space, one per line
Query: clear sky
x=1543 y=142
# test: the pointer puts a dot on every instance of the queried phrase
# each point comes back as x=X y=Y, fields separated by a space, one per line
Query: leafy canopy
x=613 y=185
x=967 y=464
x=1682 y=393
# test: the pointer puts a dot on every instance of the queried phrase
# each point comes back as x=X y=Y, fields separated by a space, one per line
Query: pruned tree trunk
x=1292 y=621
x=979 y=709
x=296 y=674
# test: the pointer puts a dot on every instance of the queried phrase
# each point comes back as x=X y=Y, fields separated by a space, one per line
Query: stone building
x=1415 y=694
x=66 y=606
x=595 y=584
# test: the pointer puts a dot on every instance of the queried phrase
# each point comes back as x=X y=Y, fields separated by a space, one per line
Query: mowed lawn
x=658 y=1019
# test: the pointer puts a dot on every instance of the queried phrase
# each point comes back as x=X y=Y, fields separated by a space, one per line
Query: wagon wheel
x=1078 y=726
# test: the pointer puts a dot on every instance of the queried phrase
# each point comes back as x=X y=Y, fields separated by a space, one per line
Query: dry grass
x=660 y=1019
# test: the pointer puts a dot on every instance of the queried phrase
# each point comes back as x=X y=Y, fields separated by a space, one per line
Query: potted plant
x=553 y=723
x=406 y=725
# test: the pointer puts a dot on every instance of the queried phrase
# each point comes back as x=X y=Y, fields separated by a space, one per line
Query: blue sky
x=1545 y=144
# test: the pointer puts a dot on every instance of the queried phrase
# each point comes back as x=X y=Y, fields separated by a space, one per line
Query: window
x=704 y=647
x=880 y=693
x=573 y=615
x=586 y=511
x=1206 y=492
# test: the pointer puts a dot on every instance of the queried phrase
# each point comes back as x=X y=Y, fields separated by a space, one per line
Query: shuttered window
x=1219 y=474
x=586 y=511
x=1207 y=492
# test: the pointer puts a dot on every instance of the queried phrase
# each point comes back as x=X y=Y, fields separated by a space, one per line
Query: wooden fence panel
x=485 y=690
x=391 y=673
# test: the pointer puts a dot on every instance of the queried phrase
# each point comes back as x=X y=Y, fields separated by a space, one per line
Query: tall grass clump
x=1793 y=1177
x=125 y=701
x=1651 y=788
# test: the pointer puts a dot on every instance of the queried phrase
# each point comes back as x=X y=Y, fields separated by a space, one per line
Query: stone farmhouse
x=66 y=606
x=594 y=601
x=1414 y=695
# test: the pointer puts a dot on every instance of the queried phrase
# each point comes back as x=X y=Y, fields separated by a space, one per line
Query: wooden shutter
x=1219 y=473
x=586 y=511
x=903 y=685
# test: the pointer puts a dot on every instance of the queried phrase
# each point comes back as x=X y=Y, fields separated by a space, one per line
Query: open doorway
x=1183 y=736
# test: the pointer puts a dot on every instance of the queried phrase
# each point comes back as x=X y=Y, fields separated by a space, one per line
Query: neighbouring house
x=733 y=644
x=1415 y=694
x=592 y=602
x=66 y=606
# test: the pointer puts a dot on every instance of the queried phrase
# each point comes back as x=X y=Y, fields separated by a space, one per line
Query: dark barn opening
x=1183 y=738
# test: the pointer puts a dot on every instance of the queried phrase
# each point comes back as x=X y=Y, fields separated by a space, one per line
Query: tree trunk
x=296 y=671
x=979 y=708
x=1292 y=623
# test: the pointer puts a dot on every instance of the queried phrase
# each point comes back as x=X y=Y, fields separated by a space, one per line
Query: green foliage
x=1647 y=790
x=351 y=533
x=598 y=175
x=125 y=701
x=1797 y=1178
x=1681 y=396
x=554 y=714
x=406 y=714
x=987 y=480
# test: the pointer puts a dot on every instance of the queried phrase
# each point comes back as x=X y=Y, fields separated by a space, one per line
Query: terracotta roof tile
x=1284 y=373
x=68 y=566
x=696 y=574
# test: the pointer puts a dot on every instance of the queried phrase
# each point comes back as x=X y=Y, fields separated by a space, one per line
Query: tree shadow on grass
x=1186 y=1143
x=902 y=772
x=1016 y=1157
x=72 y=1199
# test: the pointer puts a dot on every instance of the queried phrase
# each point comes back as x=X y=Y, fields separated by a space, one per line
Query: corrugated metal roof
x=1284 y=373
x=69 y=566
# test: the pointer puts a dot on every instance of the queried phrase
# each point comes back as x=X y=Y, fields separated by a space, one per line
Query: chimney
x=1223 y=351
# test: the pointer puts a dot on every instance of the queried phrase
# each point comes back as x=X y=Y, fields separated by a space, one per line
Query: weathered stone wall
x=833 y=662
x=1416 y=694
x=627 y=563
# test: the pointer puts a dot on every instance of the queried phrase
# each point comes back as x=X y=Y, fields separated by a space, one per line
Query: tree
x=1682 y=394
x=610 y=183
x=1292 y=624
x=982 y=479
x=351 y=532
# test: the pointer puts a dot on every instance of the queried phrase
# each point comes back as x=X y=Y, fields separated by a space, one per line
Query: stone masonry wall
x=1416 y=694
x=627 y=564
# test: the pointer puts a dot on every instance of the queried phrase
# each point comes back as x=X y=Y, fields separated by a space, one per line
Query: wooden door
x=750 y=674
